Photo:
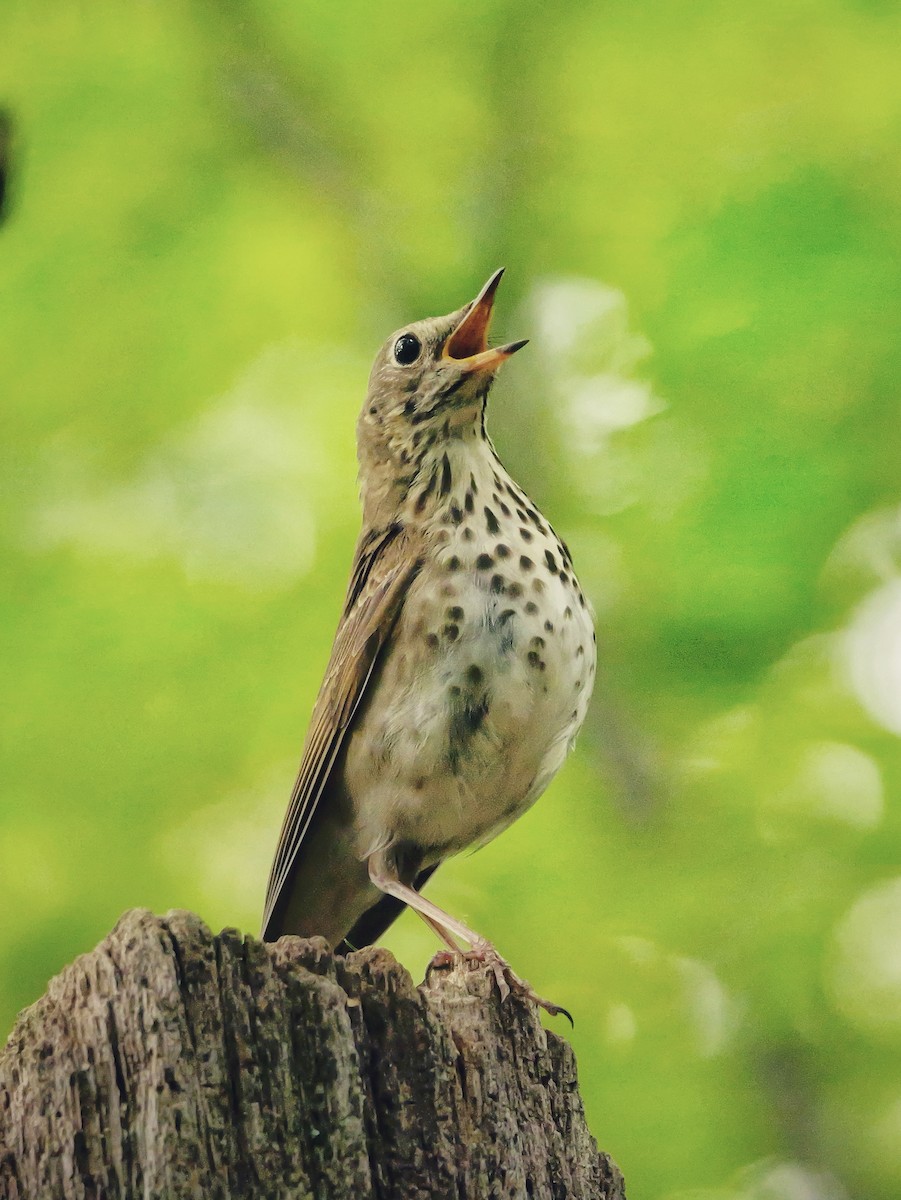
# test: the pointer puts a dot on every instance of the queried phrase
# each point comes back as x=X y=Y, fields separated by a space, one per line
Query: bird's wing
x=385 y=564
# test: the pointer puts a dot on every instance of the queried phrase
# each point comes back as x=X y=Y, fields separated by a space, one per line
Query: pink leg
x=445 y=926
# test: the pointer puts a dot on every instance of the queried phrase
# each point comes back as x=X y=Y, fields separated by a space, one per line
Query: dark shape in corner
x=6 y=141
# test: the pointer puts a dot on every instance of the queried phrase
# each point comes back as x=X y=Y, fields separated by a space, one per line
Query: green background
x=215 y=215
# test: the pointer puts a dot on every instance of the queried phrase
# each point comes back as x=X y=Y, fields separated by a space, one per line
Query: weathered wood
x=172 y=1063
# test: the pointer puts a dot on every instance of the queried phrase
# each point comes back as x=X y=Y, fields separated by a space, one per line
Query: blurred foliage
x=212 y=215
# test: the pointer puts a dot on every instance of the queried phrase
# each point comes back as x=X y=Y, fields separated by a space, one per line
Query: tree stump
x=169 y=1063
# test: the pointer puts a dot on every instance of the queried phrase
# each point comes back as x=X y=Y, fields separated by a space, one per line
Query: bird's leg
x=386 y=880
x=441 y=932
x=445 y=926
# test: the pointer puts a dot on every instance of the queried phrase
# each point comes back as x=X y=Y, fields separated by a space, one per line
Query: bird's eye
x=407 y=348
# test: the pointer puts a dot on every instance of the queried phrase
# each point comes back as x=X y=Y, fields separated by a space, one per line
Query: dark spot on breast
x=474 y=675
x=466 y=717
x=455 y=613
x=446 y=477
x=501 y=550
x=451 y=632
x=472 y=485
x=419 y=784
x=551 y=562
x=580 y=650
x=432 y=640
x=505 y=509
x=537 y=585
x=581 y=600
x=469 y=503
x=455 y=691
x=537 y=643
x=467 y=534
x=491 y=521
x=453 y=563
x=373 y=411
x=522 y=516
x=498 y=583
x=531 y=608
x=456 y=513
x=503 y=626
x=526 y=535
x=525 y=562
x=567 y=613
x=564 y=578
x=484 y=562
x=514 y=590
x=426 y=492
x=578 y=685
x=409 y=408
x=534 y=659
x=549 y=626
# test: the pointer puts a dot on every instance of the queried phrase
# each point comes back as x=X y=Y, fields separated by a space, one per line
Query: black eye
x=407 y=348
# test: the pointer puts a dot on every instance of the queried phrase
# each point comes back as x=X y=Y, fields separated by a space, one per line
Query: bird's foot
x=506 y=978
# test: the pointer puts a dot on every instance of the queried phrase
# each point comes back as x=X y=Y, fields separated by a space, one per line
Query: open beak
x=467 y=346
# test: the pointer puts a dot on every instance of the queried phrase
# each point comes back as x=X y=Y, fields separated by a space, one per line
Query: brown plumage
x=462 y=665
x=384 y=563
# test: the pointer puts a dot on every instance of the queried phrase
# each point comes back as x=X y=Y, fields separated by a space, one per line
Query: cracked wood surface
x=170 y=1062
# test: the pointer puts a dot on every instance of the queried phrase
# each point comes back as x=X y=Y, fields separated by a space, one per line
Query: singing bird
x=462 y=666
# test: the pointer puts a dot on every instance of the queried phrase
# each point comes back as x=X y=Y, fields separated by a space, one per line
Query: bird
x=461 y=669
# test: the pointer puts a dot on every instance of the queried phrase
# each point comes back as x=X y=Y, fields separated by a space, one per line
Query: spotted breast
x=471 y=720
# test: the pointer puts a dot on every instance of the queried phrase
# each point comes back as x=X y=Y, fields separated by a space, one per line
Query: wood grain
x=170 y=1062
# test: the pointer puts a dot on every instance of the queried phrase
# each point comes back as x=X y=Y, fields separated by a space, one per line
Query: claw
x=506 y=978
x=525 y=991
x=500 y=969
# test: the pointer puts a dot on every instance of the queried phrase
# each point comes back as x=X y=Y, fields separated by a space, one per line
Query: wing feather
x=384 y=565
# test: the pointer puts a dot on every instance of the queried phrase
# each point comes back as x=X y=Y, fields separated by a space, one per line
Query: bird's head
x=429 y=383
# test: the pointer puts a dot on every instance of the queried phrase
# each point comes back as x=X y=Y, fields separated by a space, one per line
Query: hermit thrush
x=463 y=662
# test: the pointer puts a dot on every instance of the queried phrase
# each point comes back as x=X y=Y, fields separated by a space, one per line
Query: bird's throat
x=453 y=473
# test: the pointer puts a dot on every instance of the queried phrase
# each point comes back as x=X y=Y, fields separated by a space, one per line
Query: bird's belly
x=467 y=726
